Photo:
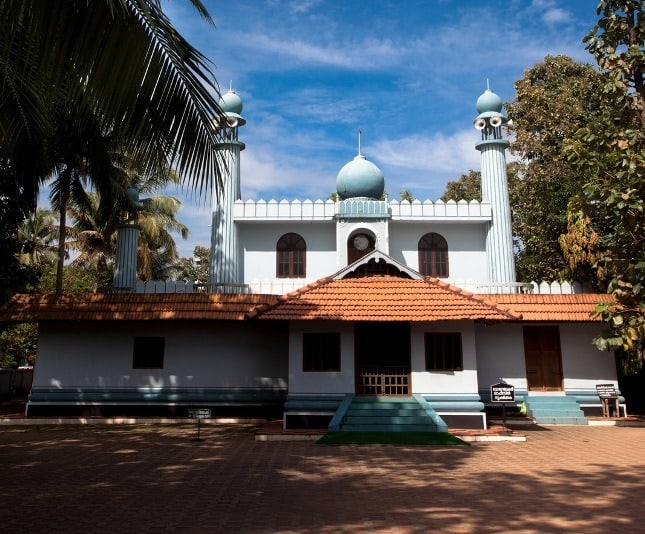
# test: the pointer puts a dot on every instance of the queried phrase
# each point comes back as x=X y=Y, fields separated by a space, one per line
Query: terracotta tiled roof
x=131 y=306
x=375 y=298
x=562 y=308
x=383 y=298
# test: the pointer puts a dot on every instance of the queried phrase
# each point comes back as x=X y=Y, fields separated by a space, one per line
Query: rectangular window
x=321 y=351
x=148 y=353
x=443 y=352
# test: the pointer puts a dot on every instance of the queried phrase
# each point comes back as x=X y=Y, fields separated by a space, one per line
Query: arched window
x=433 y=255
x=359 y=245
x=291 y=253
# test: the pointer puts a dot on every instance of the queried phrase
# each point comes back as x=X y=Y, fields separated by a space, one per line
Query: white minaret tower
x=224 y=272
x=499 y=238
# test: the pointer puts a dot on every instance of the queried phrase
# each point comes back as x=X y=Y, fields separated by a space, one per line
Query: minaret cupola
x=490 y=119
x=360 y=178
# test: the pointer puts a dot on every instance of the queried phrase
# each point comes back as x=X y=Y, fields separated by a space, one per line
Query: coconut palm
x=137 y=77
x=38 y=235
x=94 y=228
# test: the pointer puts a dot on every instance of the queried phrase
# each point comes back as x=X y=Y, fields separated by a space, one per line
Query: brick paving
x=158 y=479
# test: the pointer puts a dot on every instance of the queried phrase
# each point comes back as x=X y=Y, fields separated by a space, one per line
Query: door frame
x=543 y=358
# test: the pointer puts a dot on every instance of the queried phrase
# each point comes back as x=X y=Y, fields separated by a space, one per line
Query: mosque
x=331 y=313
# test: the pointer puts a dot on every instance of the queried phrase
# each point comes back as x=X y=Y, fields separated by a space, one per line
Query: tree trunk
x=62 y=231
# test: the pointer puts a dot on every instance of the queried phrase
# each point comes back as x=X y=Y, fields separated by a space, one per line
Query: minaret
x=127 y=246
x=499 y=238
x=224 y=268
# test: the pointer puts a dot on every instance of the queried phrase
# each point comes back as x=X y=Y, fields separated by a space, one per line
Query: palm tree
x=38 y=235
x=138 y=78
x=94 y=228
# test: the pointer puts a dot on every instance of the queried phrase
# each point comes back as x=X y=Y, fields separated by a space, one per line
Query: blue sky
x=407 y=73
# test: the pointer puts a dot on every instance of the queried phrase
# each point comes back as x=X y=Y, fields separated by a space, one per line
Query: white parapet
x=286 y=210
x=439 y=210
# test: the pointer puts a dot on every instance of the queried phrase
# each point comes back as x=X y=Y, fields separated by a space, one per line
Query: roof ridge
x=506 y=310
x=259 y=310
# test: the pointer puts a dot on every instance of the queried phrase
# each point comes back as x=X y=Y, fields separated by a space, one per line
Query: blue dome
x=231 y=103
x=360 y=178
x=489 y=101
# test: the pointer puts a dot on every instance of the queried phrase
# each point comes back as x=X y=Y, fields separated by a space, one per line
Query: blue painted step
x=389 y=414
x=554 y=410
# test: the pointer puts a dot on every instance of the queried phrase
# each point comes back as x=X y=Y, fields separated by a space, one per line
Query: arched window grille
x=291 y=254
x=433 y=256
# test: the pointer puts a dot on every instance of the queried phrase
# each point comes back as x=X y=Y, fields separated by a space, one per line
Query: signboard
x=502 y=392
x=606 y=391
x=199 y=413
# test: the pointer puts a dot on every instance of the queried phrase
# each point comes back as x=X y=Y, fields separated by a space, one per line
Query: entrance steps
x=549 y=410
x=387 y=414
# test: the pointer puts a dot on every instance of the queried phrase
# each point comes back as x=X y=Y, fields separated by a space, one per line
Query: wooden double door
x=382 y=356
x=543 y=358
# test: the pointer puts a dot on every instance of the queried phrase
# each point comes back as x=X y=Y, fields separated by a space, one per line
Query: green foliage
x=553 y=100
x=405 y=194
x=466 y=187
x=77 y=279
x=192 y=269
x=607 y=215
x=18 y=342
x=14 y=205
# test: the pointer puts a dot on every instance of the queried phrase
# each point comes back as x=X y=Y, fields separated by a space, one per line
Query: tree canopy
x=553 y=100
x=606 y=229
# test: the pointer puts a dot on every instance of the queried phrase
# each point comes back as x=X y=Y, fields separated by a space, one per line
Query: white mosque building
x=275 y=247
x=331 y=313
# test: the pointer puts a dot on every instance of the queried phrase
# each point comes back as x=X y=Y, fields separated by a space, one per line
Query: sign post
x=502 y=392
x=607 y=394
x=199 y=414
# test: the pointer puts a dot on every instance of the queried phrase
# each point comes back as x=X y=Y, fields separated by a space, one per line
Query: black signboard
x=606 y=391
x=199 y=413
x=502 y=392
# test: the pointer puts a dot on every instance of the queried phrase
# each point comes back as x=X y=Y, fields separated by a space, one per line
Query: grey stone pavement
x=149 y=478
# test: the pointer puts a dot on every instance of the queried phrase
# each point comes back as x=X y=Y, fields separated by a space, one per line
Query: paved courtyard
x=158 y=479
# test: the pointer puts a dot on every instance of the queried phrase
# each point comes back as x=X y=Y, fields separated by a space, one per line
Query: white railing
x=165 y=286
x=282 y=286
x=284 y=210
x=402 y=209
x=328 y=209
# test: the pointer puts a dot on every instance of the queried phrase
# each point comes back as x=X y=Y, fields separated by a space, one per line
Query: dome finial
x=359 y=142
x=487 y=85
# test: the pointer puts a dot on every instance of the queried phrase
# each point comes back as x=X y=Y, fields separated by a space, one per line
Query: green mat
x=442 y=439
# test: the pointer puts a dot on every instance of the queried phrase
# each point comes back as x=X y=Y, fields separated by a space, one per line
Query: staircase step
x=384 y=412
x=544 y=412
x=384 y=420
x=386 y=406
x=561 y=421
x=387 y=414
x=555 y=411
x=386 y=428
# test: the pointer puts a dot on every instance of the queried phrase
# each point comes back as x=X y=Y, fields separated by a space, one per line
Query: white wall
x=583 y=365
x=443 y=382
x=500 y=354
x=321 y=382
x=197 y=354
x=466 y=246
x=259 y=242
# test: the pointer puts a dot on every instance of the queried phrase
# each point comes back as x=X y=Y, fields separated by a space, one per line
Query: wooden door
x=543 y=358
